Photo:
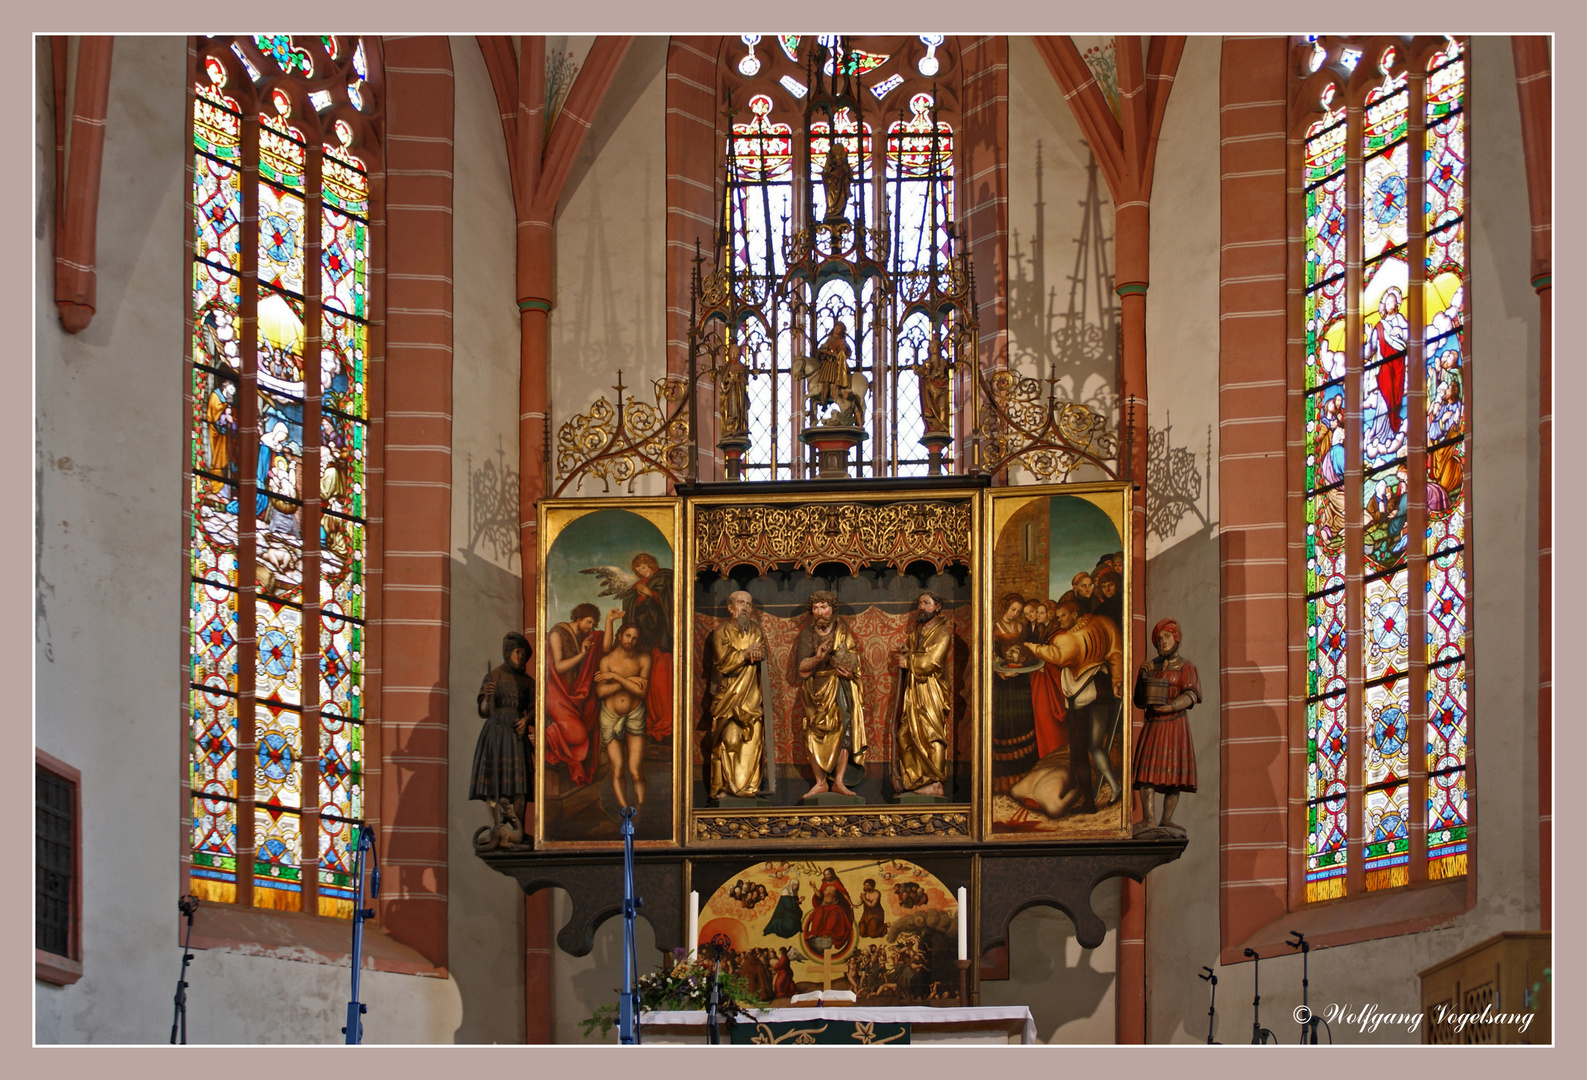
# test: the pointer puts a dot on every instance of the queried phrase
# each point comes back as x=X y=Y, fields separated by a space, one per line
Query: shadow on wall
x=493 y=508
x=486 y=910
x=1075 y=347
x=1065 y=985
x=1175 y=486
x=583 y=983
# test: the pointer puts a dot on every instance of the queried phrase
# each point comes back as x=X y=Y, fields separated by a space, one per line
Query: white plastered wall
x=108 y=656
x=484 y=907
x=1182 y=905
x=611 y=237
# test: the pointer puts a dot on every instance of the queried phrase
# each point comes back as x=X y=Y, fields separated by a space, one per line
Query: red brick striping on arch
x=411 y=775
x=691 y=156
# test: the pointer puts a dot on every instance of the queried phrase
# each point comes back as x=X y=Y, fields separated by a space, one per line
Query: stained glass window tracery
x=277 y=468
x=903 y=182
x=1384 y=402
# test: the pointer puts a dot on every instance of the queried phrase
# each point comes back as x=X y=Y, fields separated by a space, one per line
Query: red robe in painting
x=572 y=711
x=832 y=917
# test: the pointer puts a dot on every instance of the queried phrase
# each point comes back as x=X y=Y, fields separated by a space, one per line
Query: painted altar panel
x=874 y=557
x=607 y=664
x=1057 y=665
x=891 y=925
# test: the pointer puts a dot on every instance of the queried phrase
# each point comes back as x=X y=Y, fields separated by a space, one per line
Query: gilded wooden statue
x=834 y=715
x=738 y=728
x=927 y=700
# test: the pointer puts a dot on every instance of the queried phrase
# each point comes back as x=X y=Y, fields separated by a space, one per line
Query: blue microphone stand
x=628 y=1007
x=366 y=846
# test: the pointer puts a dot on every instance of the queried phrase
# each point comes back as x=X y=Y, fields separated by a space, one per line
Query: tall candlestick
x=694 y=925
x=964 y=923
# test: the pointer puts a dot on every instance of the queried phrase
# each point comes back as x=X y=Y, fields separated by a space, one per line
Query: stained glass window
x=903 y=184
x=277 y=467
x=1384 y=402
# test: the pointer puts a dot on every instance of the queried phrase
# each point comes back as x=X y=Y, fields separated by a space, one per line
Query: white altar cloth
x=972 y=1024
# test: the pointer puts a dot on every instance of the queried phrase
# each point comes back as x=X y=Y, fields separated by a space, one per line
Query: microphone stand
x=628 y=1005
x=1308 y=1035
x=713 y=1003
x=1212 y=1006
x=186 y=905
x=366 y=846
x=1260 y=1035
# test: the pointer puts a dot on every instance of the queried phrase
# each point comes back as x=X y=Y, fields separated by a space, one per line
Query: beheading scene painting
x=1058 y=656
x=605 y=656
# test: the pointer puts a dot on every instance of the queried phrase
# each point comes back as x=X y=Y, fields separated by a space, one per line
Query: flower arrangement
x=685 y=985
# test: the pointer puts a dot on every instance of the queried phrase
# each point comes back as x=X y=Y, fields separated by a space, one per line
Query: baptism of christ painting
x=607 y=613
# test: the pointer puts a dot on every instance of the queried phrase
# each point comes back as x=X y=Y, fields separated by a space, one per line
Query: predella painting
x=605 y=659
x=1056 y=665
x=891 y=927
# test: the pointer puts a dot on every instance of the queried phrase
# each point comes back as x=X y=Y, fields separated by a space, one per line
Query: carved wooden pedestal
x=1003 y=881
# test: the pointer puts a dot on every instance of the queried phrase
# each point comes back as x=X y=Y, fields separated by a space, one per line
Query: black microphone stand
x=1212 y=1006
x=628 y=1005
x=1308 y=1035
x=366 y=846
x=713 y=1003
x=1260 y=1036
x=186 y=905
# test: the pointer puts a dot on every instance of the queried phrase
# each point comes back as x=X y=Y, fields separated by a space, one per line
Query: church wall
x=1056 y=326
x=1069 y=989
x=1182 y=914
x=611 y=253
x=485 y=908
x=1182 y=528
x=111 y=588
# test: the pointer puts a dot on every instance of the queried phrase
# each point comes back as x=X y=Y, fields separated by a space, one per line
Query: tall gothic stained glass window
x=1386 y=363
x=284 y=146
x=901 y=159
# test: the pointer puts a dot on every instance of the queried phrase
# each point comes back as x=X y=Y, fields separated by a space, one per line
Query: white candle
x=964 y=923
x=694 y=925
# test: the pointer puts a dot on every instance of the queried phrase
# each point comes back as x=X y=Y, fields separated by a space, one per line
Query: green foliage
x=686 y=986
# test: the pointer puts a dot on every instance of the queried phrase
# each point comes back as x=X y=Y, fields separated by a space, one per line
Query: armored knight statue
x=500 y=776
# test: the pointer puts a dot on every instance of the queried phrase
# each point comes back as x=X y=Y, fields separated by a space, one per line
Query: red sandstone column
x=1132 y=227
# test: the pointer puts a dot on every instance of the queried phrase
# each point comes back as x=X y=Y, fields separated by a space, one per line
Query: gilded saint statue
x=828 y=654
x=927 y=701
x=934 y=384
x=732 y=394
x=737 y=650
x=832 y=376
x=837 y=176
